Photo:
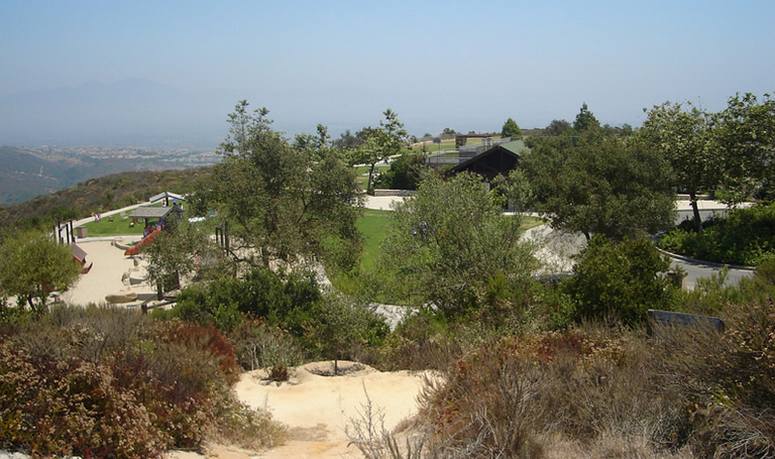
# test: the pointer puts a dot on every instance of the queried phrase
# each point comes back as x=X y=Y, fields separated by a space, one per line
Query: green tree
x=32 y=266
x=341 y=326
x=619 y=280
x=610 y=186
x=183 y=250
x=449 y=241
x=279 y=201
x=745 y=136
x=557 y=127
x=682 y=136
x=515 y=190
x=585 y=120
x=511 y=129
x=404 y=173
x=380 y=144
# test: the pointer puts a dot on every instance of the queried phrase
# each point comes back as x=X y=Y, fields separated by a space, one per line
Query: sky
x=167 y=73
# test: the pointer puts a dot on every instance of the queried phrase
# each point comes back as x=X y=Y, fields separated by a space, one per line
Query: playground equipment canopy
x=166 y=196
x=150 y=212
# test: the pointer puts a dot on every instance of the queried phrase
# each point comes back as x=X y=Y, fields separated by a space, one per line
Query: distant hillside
x=29 y=172
x=98 y=195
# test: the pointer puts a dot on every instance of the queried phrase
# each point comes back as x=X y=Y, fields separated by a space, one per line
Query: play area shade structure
x=150 y=212
x=166 y=196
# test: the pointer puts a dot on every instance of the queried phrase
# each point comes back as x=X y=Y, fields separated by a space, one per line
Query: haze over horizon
x=153 y=74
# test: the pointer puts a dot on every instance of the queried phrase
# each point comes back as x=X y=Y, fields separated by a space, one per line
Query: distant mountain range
x=29 y=172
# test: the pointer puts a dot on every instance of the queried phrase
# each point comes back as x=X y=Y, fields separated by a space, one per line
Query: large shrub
x=405 y=173
x=282 y=300
x=33 y=265
x=110 y=383
x=745 y=236
x=449 y=242
x=619 y=280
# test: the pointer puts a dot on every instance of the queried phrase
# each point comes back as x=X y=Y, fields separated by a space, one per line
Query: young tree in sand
x=340 y=325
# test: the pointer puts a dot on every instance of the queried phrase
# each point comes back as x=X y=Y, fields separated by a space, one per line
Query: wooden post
x=226 y=235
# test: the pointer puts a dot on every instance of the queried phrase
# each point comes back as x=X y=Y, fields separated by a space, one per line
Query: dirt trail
x=317 y=409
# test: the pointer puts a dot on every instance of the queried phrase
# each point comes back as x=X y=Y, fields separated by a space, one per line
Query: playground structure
x=161 y=215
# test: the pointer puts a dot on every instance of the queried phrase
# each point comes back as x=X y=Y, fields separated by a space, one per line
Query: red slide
x=135 y=249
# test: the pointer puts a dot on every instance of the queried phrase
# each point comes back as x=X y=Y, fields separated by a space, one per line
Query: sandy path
x=317 y=409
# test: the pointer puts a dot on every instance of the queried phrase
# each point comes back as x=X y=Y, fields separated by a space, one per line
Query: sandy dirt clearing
x=317 y=409
x=104 y=279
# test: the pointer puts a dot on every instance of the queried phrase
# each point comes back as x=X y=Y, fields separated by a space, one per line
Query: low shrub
x=260 y=345
x=727 y=382
x=745 y=237
x=614 y=391
x=582 y=383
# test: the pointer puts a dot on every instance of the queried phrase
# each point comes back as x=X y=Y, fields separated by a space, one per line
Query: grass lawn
x=373 y=226
x=115 y=225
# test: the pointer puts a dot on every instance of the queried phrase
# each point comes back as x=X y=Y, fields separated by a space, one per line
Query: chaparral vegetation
x=275 y=263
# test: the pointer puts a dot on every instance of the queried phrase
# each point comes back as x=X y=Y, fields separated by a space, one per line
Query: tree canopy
x=682 y=136
x=609 y=186
x=280 y=200
x=511 y=129
x=745 y=137
x=450 y=241
x=33 y=265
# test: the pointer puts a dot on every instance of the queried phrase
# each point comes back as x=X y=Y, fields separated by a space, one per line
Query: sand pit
x=105 y=277
x=317 y=409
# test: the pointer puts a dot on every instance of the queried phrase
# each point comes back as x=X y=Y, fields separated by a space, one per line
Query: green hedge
x=745 y=237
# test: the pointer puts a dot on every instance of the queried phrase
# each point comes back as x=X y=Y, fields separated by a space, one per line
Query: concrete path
x=556 y=250
x=382 y=202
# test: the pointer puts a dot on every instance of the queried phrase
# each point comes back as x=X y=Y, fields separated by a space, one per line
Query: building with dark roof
x=498 y=159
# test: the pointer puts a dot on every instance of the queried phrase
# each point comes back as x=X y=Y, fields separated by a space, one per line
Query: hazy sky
x=137 y=72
